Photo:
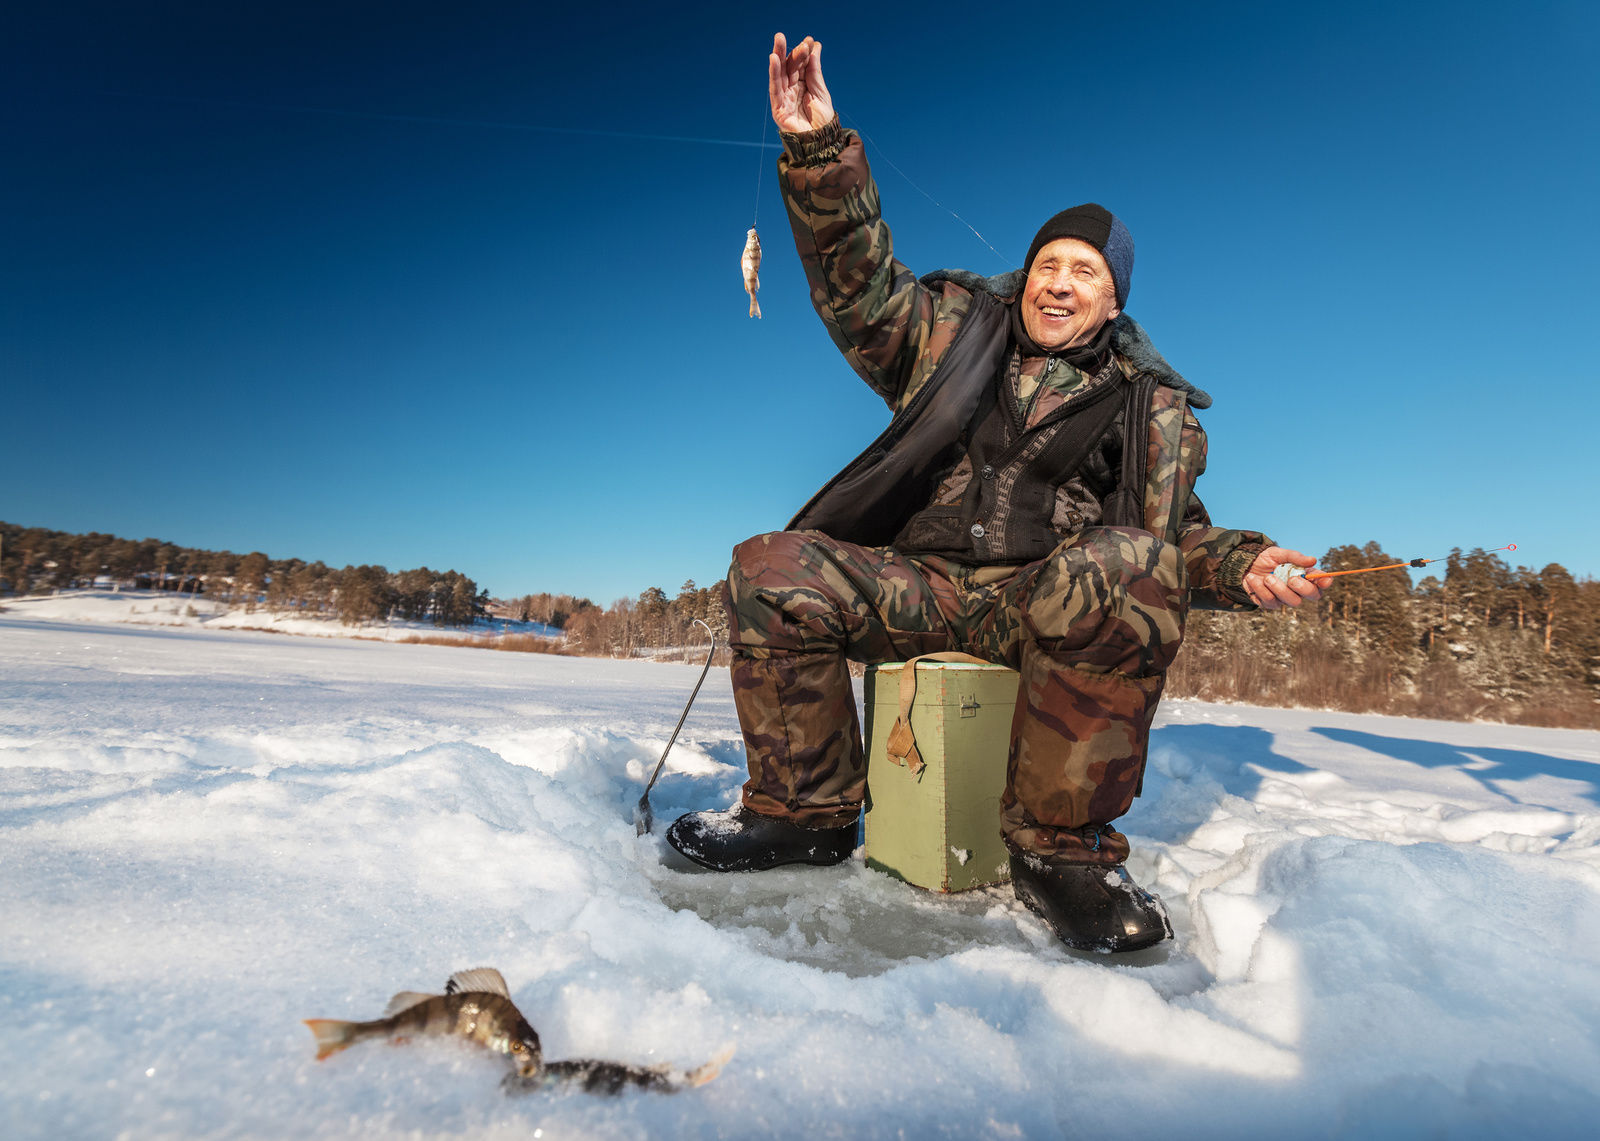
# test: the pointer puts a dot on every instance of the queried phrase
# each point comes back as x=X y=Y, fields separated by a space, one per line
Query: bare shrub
x=1571 y=708
x=528 y=644
x=515 y=643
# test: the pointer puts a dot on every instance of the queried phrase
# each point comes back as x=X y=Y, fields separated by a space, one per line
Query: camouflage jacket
x=929 y=348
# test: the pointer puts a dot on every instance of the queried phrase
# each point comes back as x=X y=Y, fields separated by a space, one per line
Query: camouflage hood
x=1128 y=339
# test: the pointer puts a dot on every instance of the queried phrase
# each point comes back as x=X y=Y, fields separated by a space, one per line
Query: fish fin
x=405 y=1000
x=480 y=979
x=700 y=1075
x=332 y=1035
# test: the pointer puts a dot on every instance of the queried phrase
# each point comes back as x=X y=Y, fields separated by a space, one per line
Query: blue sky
x=458 y=285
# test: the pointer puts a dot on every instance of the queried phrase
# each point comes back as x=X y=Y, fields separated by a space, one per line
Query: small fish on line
x=750 y=264
x=476 y=1006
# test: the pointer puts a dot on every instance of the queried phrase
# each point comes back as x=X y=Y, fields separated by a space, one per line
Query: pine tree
x=166 y=555
x=362 y=594
x=651 y=615
x=1557 y=601
x=250 y=578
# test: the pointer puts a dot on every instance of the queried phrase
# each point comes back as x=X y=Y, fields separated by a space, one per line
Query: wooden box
x=940 y=829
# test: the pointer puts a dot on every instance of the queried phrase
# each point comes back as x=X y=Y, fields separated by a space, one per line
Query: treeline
x=33 y=559
x=651 y=623
x=552 y=610
x=1485 y=640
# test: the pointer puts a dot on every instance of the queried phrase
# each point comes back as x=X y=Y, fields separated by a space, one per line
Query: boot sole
x=1112 y=946
x=802 y=863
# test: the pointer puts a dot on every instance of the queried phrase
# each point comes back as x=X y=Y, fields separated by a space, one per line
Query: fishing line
x=443 y=120
x=761 y=162
x=855 y=127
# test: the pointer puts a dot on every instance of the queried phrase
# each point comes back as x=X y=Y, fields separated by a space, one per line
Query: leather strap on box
x=902 y=743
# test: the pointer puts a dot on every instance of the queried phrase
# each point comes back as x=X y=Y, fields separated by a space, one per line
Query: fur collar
x=1128 y=339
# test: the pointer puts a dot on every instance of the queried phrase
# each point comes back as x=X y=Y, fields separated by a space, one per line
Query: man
x=1031 y=503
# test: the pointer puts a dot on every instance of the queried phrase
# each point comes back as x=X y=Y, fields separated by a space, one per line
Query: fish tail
x=332 y=1035
x=700 y=1075
x=755 y=306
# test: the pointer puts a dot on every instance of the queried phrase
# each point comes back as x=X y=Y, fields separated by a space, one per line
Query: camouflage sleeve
x=1216 y=557
x=878 y=314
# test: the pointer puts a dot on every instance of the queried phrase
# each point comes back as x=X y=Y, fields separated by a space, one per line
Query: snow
x=1385 y=928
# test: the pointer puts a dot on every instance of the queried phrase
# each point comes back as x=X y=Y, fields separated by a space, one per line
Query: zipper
x=1044 y=379
x=1077 y=396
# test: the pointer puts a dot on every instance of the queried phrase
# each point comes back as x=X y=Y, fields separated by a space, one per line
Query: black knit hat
x=1103 y=230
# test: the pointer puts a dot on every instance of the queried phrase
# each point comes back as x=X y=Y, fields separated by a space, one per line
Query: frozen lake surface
x=1384 y=927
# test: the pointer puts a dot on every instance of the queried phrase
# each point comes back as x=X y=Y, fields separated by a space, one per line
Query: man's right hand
x=800 y=99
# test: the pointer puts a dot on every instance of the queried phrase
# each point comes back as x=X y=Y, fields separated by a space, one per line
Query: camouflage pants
x=1091 y=629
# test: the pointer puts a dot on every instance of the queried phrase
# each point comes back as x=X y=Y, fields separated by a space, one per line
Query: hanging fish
x=750 y=263
x=477 y=1006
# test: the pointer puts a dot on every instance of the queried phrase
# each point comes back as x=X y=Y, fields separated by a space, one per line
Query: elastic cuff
x=817 y=818
x=1097 y=844
x=815 y=148
x=1230 y=575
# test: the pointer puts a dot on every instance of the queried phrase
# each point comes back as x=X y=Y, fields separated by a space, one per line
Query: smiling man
x=1031 y=502
x=1071 y=289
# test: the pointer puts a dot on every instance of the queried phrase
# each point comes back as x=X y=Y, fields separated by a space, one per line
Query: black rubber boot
x=738 y=840
x=1091 y=907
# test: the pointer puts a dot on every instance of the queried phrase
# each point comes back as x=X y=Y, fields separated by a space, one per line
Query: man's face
x=1069 y=295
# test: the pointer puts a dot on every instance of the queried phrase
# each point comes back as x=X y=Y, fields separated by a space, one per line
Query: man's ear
x=1115 y=313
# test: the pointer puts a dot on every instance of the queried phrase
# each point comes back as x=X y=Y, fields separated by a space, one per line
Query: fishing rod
x=1288 y=571
x=643 y=818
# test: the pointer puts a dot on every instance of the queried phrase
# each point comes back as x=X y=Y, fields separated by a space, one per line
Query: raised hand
x=800 y=99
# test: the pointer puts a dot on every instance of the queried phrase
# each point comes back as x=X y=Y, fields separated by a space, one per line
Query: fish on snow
x=476 y=1006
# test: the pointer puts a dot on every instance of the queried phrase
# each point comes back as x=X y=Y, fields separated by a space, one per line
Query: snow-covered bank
x=169 y=608
x=1385 y=927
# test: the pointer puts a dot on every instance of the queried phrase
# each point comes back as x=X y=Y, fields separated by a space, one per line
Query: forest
x=1484 y=640
x=34 y=559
